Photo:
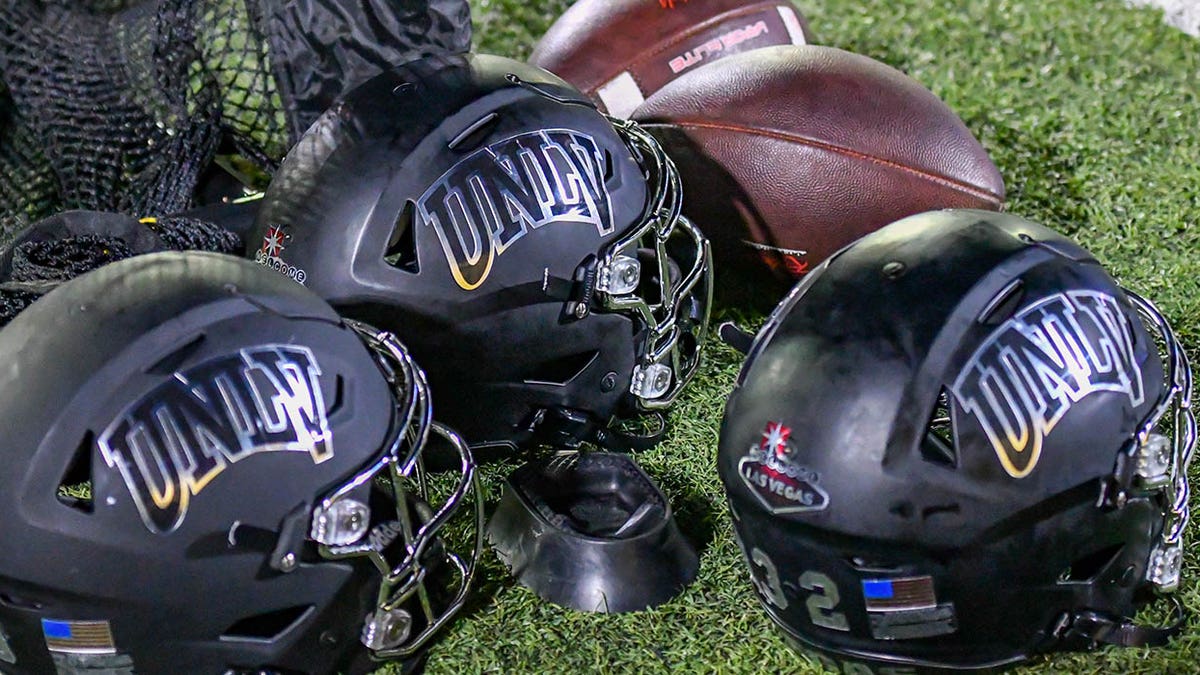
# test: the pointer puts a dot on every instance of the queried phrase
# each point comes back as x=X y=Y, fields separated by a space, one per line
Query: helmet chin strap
x=1085 y=629
x=617 y=440
x=735 y=336
x=568 y=428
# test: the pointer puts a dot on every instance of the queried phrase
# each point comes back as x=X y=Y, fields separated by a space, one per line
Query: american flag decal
x=78 y=637
x=895 y=595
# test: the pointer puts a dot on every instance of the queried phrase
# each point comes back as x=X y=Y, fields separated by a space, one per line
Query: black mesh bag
x=59 y=248
x=129 y=106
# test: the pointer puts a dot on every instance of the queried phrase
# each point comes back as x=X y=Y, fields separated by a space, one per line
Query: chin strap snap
x=1087 y=630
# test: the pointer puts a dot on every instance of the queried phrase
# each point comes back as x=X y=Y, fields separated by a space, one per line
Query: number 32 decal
x=822 y=601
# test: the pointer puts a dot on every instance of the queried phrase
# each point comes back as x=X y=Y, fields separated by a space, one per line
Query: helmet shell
x=171 y=552
x=457 y=201
x=932 y=417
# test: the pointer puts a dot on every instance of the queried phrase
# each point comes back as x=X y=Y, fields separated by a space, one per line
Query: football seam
x=680 y=37
x=968 y=188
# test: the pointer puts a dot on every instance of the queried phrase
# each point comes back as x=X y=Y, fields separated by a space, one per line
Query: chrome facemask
x=676 y=322
x=1165 y=442
x=341 y=523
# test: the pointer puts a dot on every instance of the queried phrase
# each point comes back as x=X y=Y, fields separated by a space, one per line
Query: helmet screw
x=893 y=270
x=662 y=379
x=288 y=562
x=329 y=639
x=609 y=382
x=386 y=629
x=580 y=310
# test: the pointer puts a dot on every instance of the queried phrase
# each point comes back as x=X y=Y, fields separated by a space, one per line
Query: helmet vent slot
x=563 y=369
x=939 y=509
x=18 y=602
x=475 y=133
x=339 y=396
x=1003 y=304
x=862 y=564
x=1087 y=568
x=75 y=487
x=938 y=445
x=268 y=626
x=402 y=246
x=171 y=362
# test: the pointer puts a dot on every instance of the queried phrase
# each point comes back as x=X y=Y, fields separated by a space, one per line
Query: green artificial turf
x=1090 y=111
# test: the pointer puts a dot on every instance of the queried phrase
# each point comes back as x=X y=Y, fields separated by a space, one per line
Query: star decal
x=775 y=437
x=273 y=242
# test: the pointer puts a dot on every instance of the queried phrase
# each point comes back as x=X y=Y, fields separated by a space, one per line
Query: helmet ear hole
x=75 y=486
x=401 y=252
x=938 y=445
x=268 y=626
x=339 y=396
x=563 y=369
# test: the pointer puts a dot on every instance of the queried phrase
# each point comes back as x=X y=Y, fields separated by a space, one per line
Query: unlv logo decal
x=771 y=472
x=173 y=442
x=1043 y=360
x=490 y=200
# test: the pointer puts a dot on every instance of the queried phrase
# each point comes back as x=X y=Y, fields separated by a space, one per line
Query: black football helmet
x=207 y=470
x=957 y=444
x=528 y=249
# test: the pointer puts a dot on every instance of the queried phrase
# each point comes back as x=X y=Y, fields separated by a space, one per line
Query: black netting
x=125 y=105
x=104 y=98
x=28 y=188
x=106 y=6
x=65 y=259
x=64 y=246
x=191 y=234
x=236 y=55
x=13 y=301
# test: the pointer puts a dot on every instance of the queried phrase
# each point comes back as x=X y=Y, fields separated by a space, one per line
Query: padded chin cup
x=591 y=532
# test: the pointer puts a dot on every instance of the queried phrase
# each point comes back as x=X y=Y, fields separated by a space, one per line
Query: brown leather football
x=620 y=51
x=796 y=151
